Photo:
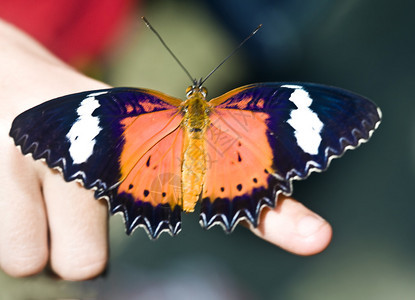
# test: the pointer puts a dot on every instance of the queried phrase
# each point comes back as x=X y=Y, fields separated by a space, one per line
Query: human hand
x=45 y=218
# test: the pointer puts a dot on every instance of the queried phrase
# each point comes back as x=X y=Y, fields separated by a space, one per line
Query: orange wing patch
x=151 y=158
x=239 y=157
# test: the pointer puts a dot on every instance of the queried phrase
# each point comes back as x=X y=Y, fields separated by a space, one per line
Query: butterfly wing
x=263 y=136
x=108 y=139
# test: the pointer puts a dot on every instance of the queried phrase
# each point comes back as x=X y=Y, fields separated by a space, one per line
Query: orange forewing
x=151 y=157
x=239 y=155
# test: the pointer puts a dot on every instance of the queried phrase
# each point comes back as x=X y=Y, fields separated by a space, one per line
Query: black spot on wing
x=239 y=157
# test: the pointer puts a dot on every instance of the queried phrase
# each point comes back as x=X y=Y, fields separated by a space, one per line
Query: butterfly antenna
x=168 y=49
x=232 y=53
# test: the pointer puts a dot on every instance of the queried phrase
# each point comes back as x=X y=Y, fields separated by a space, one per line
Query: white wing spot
x=96 y=94
x=83 y=132
x=291 y=86
x=305 y=122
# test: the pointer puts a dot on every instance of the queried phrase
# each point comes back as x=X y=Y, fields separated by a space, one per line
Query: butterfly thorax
x=195 y=122
x=195 y=115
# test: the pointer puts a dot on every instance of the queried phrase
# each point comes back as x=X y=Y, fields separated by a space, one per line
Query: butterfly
x=153 y=156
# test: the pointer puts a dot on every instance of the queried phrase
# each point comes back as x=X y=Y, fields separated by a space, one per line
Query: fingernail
x=309 y=225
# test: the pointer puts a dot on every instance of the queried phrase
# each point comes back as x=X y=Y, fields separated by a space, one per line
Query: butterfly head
x=196 y=90
x=195 y=108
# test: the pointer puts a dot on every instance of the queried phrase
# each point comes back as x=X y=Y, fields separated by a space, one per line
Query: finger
x=78 y=228
x=293 y=227
x=23 y=227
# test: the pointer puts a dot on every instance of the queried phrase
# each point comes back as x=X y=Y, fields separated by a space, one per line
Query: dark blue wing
x=82 y=135
x=306 y=126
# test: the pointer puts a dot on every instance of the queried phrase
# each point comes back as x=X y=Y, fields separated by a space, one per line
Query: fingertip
x=24 y=262
x=76 y=266
x=294 y=228
x=78 y=229
x=23 y=231
x=315 y=238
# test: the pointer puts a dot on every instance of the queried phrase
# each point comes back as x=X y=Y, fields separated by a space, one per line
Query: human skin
x=45 y=219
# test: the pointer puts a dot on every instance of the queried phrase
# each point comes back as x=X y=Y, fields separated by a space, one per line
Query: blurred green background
x=366 y=46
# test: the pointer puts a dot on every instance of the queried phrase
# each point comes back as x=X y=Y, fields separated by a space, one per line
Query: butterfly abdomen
x=195 y=122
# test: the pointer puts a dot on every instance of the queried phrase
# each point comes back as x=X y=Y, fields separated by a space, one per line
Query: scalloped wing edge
x=97 y=186
x=220 y=219
x=165 y=226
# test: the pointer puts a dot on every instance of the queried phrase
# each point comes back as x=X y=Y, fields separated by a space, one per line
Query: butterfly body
x=196 y=119
x=152 y=155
